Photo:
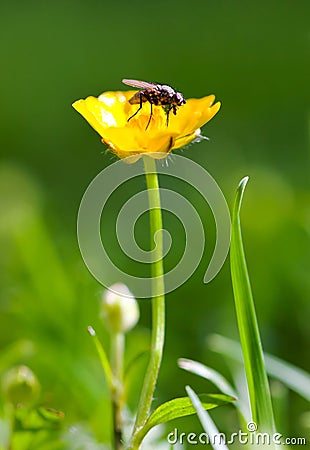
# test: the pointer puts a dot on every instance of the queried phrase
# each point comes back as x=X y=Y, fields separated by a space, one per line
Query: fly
x=156 y=94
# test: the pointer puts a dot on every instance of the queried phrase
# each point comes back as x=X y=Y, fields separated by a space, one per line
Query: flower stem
x=117 y=354
x=158 y=300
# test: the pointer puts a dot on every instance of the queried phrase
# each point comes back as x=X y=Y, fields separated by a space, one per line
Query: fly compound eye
x=179 y=98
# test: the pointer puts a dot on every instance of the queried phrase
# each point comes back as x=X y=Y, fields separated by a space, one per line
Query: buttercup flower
x=108 y=115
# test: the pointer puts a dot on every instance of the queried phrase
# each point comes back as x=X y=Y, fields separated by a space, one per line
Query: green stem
x=158 y=301
x=117 y=363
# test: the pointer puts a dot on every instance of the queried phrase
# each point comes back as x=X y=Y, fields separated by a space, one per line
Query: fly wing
x=140 y=84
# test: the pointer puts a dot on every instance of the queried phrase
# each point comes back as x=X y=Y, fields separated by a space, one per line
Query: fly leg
x=150 y=117
x=140 y=107
x=167 y=110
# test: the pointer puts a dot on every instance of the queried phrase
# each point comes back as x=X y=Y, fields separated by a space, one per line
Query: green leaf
x=38 y=419
x=51 y=415
x=206 y=421
x=259 y=392
x=291 y=376
x=181 y=407
x=209 y=374
x=217 y=379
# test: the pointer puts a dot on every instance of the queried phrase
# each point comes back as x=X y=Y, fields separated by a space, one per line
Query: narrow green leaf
x=214 y=436
x=50 y=415
x=258 y=386
x=38 y=419
x=103 y=357
x=181 y=407
x=218 y=380
x=209 y=374
x=291 y=376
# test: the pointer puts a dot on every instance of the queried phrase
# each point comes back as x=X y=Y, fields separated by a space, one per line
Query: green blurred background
x=254 y=56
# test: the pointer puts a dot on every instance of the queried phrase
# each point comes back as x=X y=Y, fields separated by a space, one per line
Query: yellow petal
x=123 y=139
x=193 y=115
x=116 y=104
x=185 y=140
x=161 y=142
x=82 y=107
x=125 y=142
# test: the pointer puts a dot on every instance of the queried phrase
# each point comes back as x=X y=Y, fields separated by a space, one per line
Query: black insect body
x=156 y=94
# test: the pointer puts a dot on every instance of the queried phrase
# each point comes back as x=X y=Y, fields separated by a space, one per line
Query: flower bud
x=20 y=386
x=119 y=309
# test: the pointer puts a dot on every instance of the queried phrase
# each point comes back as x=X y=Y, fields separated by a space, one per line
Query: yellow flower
x=108 y=115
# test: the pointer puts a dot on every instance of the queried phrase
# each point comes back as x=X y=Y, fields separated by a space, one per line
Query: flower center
x=157 y=121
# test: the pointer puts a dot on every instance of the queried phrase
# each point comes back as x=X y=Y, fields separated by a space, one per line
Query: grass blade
x=258 y=386
x=291 y=376
x=209 y=374
x=215 y=437
x=218 y=380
